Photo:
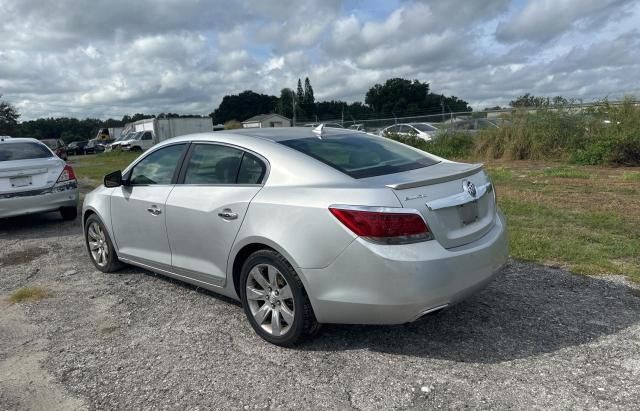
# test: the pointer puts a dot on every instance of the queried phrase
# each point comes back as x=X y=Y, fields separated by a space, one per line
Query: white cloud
x=115 y=57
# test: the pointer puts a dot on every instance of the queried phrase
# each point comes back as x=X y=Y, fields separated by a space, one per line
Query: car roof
x=19 y=140
x=275 y=134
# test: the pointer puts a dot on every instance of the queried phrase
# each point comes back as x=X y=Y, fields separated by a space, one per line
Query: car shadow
x=44 y=225
x=528 y=310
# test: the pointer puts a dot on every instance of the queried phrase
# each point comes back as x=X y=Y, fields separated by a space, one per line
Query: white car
x=34 y=180
x=424 y=131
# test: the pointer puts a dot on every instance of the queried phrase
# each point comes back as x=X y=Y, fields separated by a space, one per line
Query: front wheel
x=101 y=250
x=274 y=299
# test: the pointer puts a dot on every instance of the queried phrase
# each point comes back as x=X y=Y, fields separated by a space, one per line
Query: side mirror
x=113 y=179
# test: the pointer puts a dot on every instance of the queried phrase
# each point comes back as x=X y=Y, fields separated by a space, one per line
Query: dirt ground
x=537 y=337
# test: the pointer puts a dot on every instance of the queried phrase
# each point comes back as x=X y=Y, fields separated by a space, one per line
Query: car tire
x=96 y=233
x=69 y=213
x=265 y=302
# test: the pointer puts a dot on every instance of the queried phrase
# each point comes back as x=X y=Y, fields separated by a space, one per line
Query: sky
x=105 y=59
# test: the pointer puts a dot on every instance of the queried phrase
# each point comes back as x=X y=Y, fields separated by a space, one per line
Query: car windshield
x=361 y=155
x=23 y=151
x=424 y=127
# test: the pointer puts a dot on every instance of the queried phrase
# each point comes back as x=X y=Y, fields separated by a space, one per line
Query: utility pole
x=342 y=121
x=442 y=106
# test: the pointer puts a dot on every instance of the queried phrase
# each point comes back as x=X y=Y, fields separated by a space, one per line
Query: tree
x=299 y=93
x=308 y=100
x=8 y=118
x=400 y=97
x=242 y=106
x=284 y=106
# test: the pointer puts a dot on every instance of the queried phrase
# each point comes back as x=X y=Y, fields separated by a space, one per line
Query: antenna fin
x=318 y=130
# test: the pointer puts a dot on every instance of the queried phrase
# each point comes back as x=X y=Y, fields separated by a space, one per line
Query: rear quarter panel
x=297 y=221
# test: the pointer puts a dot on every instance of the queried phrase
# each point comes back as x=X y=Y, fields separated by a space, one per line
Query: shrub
x=447 y=145
x=606 y=134
x=232 y=124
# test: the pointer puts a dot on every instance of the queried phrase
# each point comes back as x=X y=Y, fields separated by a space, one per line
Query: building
x=266 y=120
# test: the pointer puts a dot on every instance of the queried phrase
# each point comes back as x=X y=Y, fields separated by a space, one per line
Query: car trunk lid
x=456 y=199
x=27 y=175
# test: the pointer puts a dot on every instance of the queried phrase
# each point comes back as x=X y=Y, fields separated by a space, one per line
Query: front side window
x=362 y=155
x=158 y=167
x=23 y=151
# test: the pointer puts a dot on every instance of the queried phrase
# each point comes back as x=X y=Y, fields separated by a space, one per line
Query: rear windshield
x=23 y=151
x=361 y=155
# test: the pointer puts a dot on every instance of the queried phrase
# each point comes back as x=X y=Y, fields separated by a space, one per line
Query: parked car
x=424 y=131
x=57 y=146
x=357 y=127
x=347 y=228
x=96 y=146
x=474 y=125
x=76 y=148
x=115 y=144
x=34 y=180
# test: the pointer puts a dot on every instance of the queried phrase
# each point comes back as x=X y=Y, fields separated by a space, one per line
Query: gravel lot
x=536 y=338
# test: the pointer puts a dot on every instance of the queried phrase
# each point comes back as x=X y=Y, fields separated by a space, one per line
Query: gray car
x=34 y=180
x=303 y=226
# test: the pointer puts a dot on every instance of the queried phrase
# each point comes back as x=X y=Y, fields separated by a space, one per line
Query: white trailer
x=145 y=133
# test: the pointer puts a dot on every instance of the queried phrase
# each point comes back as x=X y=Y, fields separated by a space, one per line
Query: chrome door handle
x=154 y=211
x=227 y=214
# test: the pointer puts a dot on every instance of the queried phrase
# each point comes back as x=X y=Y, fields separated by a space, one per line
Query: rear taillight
x=67 y=174
x=383 y=225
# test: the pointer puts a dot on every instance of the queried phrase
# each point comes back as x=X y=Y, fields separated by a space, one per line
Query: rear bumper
x=389 y=284
x=41 y=203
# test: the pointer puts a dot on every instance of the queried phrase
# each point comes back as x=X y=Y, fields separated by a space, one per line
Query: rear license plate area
x=20 y=181
x=468 y=212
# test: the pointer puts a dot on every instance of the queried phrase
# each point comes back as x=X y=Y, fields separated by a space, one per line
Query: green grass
x=583 y=242
x=94 y=167
x=580 y=218
x=29 y=294
x=566 y=172
x=631 y=175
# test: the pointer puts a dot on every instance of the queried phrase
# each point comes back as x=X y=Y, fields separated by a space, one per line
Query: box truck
x=143 y=134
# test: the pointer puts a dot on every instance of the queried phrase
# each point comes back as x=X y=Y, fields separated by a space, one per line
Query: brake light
x=67 y=174
x=383 y=225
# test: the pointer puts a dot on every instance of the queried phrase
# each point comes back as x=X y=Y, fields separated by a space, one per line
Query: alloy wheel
x=270 y=299
x=98 y=245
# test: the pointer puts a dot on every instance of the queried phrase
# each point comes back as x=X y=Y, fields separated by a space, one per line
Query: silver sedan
x=34 y=180
x=303 y=226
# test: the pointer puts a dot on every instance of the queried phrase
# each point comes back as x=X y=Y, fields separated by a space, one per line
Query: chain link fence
x=458 y=121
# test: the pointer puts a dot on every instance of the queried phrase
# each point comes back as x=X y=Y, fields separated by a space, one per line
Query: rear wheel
x=274 y=299
x=101 y=250
x=69 y=213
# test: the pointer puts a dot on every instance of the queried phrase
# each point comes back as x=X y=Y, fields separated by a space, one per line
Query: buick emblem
x=470 y=188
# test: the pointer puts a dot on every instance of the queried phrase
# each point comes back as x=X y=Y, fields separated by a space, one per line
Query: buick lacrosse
x=303 y=226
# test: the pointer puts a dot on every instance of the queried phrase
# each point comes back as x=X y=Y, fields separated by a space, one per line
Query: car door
x=204 y=212
x=137 y=207
x=146 y=141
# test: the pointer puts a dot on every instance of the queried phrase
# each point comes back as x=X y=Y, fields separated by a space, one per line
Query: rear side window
x=158 y=167
x=23 y=151
x=252 y=170
x=217 y=164
x=213 y=164
x=361 y=155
